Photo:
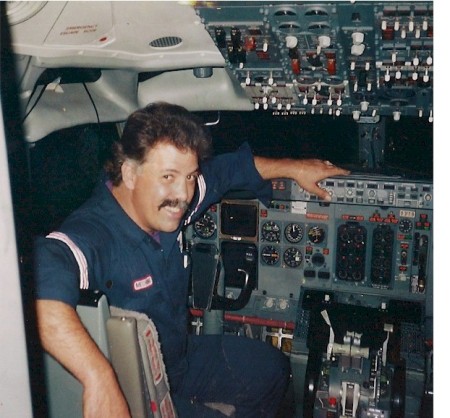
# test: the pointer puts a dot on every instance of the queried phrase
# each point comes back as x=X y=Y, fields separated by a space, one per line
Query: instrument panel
x=372 y=241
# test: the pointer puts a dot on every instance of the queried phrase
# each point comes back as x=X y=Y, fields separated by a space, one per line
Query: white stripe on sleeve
x=202 y=192
x=77 y=253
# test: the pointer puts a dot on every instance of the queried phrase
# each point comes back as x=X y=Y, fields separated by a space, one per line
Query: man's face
x=163 y=188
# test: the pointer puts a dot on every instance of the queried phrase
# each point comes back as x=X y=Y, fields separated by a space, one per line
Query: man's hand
x=311 y=171
x=307 y=173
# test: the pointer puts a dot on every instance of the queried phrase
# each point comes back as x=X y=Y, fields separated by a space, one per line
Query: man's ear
x=129 y=173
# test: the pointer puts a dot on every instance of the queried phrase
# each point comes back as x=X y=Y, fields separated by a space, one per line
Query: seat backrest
x=130 y=341
x=137 y=359
x=64 y=392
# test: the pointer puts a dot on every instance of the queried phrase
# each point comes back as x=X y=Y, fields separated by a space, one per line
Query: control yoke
x=207 y=284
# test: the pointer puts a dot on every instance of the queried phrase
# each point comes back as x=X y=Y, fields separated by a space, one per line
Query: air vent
x=166 y=42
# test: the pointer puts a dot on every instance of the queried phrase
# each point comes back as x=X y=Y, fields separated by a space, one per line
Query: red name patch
x=143 y=283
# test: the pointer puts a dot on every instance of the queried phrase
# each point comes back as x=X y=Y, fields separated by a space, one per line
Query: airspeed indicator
x=293 y=232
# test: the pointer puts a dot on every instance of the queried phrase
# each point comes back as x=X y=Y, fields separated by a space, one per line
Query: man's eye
x=168 y=176
x=192 y=177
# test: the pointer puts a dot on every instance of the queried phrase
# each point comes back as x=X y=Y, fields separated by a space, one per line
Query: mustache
x=181 y=204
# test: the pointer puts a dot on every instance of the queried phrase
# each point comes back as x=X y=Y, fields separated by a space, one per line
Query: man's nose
x=182 y=191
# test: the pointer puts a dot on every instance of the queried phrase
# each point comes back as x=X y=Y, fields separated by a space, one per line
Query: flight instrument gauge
x=270 y=231
x=292 y=257
x=316 y=234
x=293 y=232
x=205 y=226
x=270 y=255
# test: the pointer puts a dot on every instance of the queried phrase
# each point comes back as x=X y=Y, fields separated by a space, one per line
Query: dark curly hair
x=155 y=123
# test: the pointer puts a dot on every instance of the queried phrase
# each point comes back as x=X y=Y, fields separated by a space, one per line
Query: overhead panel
x=365 y=59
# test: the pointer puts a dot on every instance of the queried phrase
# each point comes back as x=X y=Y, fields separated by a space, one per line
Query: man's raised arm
x=306 y=172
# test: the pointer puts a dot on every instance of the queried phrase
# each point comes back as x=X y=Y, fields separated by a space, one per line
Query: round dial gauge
x=293 y=233
x=316 y=234
x=270 y=255
x=205 y=226
x=405 y=225
x=292 y=257
x=270 y=231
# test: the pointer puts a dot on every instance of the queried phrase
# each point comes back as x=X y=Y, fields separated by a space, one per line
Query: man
x=128 y=237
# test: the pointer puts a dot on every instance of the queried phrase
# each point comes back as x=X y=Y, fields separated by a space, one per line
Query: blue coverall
x=137 y=272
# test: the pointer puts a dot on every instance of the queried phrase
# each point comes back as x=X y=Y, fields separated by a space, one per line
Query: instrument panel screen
x=239 y=220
